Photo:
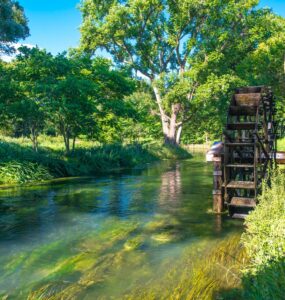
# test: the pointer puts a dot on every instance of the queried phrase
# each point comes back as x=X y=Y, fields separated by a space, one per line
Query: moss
x=134 y=243
x=165 y=237
x=161 y=223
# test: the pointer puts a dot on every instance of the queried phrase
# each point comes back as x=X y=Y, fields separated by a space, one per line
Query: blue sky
x=54 y=24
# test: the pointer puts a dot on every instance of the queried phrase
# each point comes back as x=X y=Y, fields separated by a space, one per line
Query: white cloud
x=9 y=58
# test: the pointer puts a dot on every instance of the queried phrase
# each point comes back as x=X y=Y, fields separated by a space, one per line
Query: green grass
x=281 y=144
x=21 y=172
x=20 y=164
x=264 y=241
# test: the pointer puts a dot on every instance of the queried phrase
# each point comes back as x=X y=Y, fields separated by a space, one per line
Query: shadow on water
x=81 y=237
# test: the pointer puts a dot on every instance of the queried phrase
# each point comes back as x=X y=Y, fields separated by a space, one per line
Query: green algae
x=140 y=245
x=201 y=278
x=134 y=243
x=165 y=237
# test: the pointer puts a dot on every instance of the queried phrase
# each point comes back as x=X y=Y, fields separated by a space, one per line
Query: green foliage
x=265 y=244
x=264 y=238
x=67 y=95
x=281 y=145
x=22 y=172
x=191 y=52
x=88 y=159
x=210 y=106
x=13 y=24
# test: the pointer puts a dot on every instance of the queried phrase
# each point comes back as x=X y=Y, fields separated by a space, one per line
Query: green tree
x=176 y=45
x=266 y=65
x=69 y=96
x=13 y=25
x=8 y=94
x=31 y=73
x=113 y=112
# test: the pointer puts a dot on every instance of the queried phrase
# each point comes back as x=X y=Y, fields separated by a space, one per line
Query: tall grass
x=22 y=172
x=264 y=241
x=281 y=144
x=20 y=164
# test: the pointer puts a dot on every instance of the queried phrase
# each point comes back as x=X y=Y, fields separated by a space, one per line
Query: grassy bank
x=20 y=164
x=281 y=144
x=263 y=278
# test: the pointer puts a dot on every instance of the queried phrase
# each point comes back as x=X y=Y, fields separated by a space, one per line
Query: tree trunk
x=66 y=142
x=164 y=118
x=73 y=144
x=64 y=130
x=172 y=124
x=169 y=127
x=178 y=134
x=34 y=138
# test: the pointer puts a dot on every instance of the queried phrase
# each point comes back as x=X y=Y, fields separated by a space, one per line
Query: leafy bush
x=264 y=240
x=21 y=164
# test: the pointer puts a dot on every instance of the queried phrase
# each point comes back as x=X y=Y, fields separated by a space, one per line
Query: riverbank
x=263 y=275
x=19 y=163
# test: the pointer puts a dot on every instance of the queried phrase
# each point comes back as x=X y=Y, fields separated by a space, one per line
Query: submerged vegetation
x=173 y=66
x=121 y=247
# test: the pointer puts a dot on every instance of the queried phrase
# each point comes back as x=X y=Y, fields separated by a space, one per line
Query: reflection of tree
x=170 y=190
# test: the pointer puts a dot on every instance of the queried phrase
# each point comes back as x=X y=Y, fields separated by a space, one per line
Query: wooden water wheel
x=249 y=147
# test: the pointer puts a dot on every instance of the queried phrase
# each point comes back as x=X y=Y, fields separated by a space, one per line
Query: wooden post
x=218 y=204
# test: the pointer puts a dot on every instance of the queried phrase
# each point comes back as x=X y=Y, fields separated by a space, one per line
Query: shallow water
x=137 y=235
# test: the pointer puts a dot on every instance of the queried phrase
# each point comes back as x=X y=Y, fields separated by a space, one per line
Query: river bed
x=143 y=234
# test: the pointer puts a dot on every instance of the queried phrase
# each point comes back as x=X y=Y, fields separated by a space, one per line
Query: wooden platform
x=243 y=202
x=249 y=185
x=250 y=99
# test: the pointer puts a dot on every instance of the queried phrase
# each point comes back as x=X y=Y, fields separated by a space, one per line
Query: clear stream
x=134 y=235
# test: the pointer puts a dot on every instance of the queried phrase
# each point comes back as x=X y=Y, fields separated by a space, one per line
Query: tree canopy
x=177 y=45
x=13 y=25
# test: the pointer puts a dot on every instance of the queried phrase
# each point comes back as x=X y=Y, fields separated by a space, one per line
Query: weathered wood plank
x=240 y=144
x=240 y=166
x=239 y=216
x=241 y=126
x=251 y=99
x=243 y=202
x=241 y=185
x=242 y=110
x=250 y=89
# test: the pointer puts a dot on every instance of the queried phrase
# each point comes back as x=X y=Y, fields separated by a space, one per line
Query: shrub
x=21 y=164
x=264 y=240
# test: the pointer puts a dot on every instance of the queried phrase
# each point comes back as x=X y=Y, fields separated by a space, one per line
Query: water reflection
x=171 y=186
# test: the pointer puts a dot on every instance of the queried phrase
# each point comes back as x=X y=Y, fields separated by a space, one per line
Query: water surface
x=136 y=235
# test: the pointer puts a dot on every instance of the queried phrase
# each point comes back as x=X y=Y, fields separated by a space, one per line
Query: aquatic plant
x=214 y=269
x=134 y=243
